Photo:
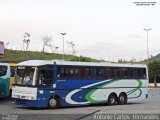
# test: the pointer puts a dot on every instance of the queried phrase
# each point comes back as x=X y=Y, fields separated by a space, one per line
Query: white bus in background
x=40 y=83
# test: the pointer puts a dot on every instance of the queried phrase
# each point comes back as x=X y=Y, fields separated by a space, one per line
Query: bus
x=4 y=80
x=7 y=71
x=56 y=83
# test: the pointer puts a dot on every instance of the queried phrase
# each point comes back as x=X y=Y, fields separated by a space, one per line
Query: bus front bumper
x=31 y=103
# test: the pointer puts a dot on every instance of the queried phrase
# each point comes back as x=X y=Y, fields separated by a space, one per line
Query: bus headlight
x=30 y=98
x=24 y=97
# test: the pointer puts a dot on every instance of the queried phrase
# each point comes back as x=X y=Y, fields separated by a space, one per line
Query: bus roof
x=4 y=64
x=62 y=62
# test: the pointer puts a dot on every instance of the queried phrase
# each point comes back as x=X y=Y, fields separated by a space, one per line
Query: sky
x=101 y=29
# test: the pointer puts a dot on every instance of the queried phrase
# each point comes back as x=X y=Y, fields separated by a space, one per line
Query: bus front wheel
x=122 y=99
x=53 y=102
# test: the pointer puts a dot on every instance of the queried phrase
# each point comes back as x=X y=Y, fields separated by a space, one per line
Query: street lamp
x=147 y=43
x=63 y=45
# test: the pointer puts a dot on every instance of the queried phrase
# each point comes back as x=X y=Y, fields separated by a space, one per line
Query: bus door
x=46 y=76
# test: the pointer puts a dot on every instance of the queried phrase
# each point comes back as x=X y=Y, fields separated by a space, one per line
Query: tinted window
x=116 y=73
x=78 y=72
x=100 y=72
x=65 y=72
x=140 y=73
x=109 y=73
x=131 y=72
x=113 y=73
x=73 y=72
x=84 y=72
x=125 y=73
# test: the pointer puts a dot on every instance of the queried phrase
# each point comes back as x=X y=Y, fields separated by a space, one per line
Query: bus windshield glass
x=25 y=76
x=3 y=70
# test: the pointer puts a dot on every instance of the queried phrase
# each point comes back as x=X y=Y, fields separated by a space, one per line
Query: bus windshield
x=25 y=76
x=3 y=70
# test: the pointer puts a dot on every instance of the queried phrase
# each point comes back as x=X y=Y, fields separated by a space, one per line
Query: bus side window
x=124 y=72
x=62 y=71
x=41 y=77
x=59 y=72
x=78 y=73
x=136 y=74
x=141 y=73
x=65 y=72
x=109 y=72
x=71 y=72
x=87 y=72
x=131 y=73
x=144 y=73
x=116 y=73
x=100 y=73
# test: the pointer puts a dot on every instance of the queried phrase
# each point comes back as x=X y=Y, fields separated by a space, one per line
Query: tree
x=72 y=45
x=53 y=48
x=26 y=41
x=46 y=42
x=154 y=70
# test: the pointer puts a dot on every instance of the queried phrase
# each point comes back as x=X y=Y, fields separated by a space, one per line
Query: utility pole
x=63 y=34
x=147 y=43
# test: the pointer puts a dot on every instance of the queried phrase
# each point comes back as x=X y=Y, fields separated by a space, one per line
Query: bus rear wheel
x=112 y=99
x=53 y=102
x=122 y=99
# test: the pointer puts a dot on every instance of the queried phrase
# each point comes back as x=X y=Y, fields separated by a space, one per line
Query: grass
x=17 y=56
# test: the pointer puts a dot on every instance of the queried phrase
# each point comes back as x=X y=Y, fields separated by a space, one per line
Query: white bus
x=40 y=83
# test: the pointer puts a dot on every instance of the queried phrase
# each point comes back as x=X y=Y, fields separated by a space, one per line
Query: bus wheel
x=122 y=99
x=53 y=102
x=112 y=99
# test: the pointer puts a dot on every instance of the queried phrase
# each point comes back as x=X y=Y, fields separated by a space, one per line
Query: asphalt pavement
x=9 y=111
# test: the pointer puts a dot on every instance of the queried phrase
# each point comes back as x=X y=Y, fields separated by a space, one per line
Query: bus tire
x=112 y=99
x=53 y=102
x=122 y=99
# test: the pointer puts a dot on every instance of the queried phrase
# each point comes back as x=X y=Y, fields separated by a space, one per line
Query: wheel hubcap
x=52 y=102
x=112 y=100
x=122 y=99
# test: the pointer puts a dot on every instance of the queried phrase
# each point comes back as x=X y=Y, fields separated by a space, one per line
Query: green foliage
x=82 y=59
x=154 y=68
x=19 y=56
x=157 y=57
